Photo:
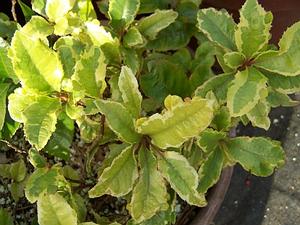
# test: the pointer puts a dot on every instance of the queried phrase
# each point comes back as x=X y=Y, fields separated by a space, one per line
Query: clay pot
x=286 y=12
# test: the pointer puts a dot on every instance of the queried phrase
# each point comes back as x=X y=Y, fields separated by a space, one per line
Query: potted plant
x=126 y=119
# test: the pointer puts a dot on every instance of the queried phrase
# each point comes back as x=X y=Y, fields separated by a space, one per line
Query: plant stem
x=13 y=10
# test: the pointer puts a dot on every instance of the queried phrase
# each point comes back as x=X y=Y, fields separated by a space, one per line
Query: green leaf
x=29 y=65
x=17 y=190
x=276 y=99
x=6 y=68
x=37 y=160
x=209 y=140
x=3 y=94
x=123 y=12
x=182 y=177
x=234 y=59
x=15 y=171
x=27 y=11
x=222 y=119
x=164 y=78
x=175 y=36
x=133 y=38
x=7 y=28
x=150 y=194
x=177 y=124
x=149 y=6
x=56 y=9
x=218 y=85
x=245 y=91
x=283 y=61
x=55 y=210
x=210 y=170
x=258 y=155
x=259 y=115
x=117 y=179
x=40 y=120
x=90 y=73
x=18 y=170
x=42 y=180
x=253 y=32
x=39 y=6
x=283 y=84
x=129 y=88
x=119 y=120
x=61 y=140
x=131 y=59
x=5 y=217
x=150 y=26
x=85 y=9
x=218 y=26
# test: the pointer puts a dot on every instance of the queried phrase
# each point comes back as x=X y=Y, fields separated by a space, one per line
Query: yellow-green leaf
x=245 y=91
x=218 y=26
x=253 y=31
x=258 y=155
x=3 y=94
x=117 y=179
x=90 y=73
x=177 y=124
x=284 y=61
x=210 y=170
x=42 y=74
x=40 y=120
x=56 y=9
x=123 y=12
x=150 y=26
x=182 y=177
x=259 y=115
x=129 y=88
x=119 y=120
x=55 y=210
x=150 y=194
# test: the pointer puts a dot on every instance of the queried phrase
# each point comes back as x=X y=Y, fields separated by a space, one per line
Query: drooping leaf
x=177 y=124
x=53 y=209
x=29 y=65
x=150 y=26
x=245 y=91
x=276 y=99
x=117 y=179
x=259 y=115
x=119 y=120
x=26 y=10
x=253 y=31
x=3 y=94
x=218 y=26
x=210 y=170
x=129 y=88
x=218 y=84
x=5 y=217
x=182 y=177
x=61 y=140
x=283 y=61
x=15 y=171
x=257 y=155
x=283 y=84
x=42 y=180
x=90 y=73
x=40 y=120
x=123 y=12
x=150 y=194
x=209 y=139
